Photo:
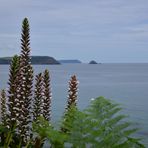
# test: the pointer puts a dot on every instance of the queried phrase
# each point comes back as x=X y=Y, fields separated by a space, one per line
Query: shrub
x=99 y=125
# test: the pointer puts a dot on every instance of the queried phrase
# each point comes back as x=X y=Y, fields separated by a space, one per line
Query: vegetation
x=99 y=125
x=26 y=113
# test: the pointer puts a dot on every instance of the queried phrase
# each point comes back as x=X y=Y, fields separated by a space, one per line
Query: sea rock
x=93 y=62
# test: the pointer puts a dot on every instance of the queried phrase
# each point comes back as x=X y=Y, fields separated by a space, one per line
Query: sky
x=109 y=31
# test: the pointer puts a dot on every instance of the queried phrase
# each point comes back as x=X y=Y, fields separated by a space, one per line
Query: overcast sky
x=103 y=30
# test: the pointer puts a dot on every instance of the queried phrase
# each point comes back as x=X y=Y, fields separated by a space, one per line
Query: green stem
x=8 y=140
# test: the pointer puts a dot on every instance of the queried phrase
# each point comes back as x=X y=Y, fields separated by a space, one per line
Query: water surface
x=126 y=84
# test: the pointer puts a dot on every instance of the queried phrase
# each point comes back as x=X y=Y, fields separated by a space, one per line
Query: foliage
x=100 y=125
x=45 y=130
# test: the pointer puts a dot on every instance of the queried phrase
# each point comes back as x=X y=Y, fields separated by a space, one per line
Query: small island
x=93 y=62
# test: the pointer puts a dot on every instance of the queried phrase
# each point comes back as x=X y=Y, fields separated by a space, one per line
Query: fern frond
x=102 y=126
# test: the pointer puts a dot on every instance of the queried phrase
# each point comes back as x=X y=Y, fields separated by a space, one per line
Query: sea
x=125 y=84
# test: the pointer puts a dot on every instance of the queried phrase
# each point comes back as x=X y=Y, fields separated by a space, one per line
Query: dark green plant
x=13 y=102
x=45 y=131
x=68 y=119
x=41 y=127
x=47 y=96
x=38 y=97
x=101 y=125
x=25 y=79
x=76 y=118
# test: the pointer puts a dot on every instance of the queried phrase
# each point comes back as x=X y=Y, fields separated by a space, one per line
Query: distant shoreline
x=35 y=60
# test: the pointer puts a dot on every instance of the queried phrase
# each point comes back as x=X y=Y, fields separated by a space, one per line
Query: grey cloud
x=77 y=25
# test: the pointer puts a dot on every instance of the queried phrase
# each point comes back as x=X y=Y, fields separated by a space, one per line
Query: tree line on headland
x=26 y=112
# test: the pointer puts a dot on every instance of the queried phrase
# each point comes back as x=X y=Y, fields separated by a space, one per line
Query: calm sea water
x=126 y=84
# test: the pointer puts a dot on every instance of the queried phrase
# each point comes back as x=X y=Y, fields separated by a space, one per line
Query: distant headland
x=70 y=61
x=46 y=60
x=36 y=60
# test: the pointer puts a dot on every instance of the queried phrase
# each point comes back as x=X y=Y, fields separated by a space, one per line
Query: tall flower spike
x=72 y=92
x=71 y=104
x=13 y=102
x=38 y=97
x=25 y=79
x=3 y=107
x=47 y=96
